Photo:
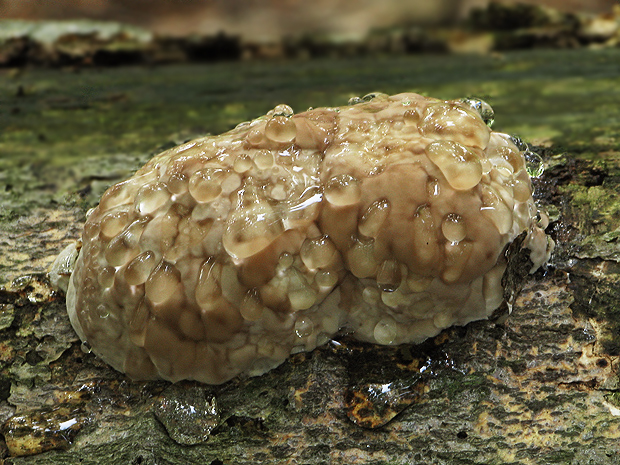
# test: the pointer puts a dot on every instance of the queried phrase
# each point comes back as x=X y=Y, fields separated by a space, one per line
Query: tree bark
x=540 y=388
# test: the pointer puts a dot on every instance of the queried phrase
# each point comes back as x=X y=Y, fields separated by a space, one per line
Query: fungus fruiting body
x=386 y=218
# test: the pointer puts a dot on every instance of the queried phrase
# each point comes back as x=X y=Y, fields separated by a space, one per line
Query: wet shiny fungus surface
x=386 y=218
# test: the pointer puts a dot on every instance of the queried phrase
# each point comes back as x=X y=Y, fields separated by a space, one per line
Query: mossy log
x=541 y=387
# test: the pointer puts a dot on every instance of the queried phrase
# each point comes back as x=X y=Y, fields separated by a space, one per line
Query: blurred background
x=268 y=20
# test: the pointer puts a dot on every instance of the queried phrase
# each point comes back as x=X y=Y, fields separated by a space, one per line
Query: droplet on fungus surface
x=281 y=129
x=114 y=222
x=483 y=108
x=225 y=255
x=139 y=269
x=373 y=218
x=263 y=159
x=317 y=252
x=343 y=190
x=385 y=331
x=163 y=282
x=534 y=163
x=150 y=197
x=304 y=328
x=460 y=165
x=205 y=185
x=251 y=307
x=453 y=228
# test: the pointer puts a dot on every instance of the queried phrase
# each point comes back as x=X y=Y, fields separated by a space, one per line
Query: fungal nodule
x=387 y=218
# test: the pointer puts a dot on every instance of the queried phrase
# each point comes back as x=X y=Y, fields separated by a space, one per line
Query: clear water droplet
x=373 y=95
x=343 y=190
x=460 y=165
x=522 y=146
x=317 y=252
x=281 y=129
x=533 y=163
x=385 y=331
x=151 y=197
x=281 y=110
x=251 y=307
x=189 y=413
x=103 y=311
x=374 y=217
x=304 y=327
x=483 y=108
x=453 y=228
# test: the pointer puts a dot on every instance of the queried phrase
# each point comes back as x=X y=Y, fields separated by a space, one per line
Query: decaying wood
x=540 y=388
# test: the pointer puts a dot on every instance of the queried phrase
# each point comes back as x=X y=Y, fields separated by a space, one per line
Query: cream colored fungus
x=386 y=218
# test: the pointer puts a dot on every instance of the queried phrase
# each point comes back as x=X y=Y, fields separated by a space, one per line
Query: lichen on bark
x=542 y=387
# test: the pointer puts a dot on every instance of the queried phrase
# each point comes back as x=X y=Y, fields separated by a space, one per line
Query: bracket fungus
x=387 y=218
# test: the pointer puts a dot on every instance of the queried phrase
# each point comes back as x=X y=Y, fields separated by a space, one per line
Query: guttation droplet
x=138 y=322
x=114 y=222
x=300 y=294
x=206 y=184
x=483 y=108
x=163 y=283
x=453 y=228
x=494 y=208
x=177 y=183
x=281 y=129
x=317 y=252
x=139 y=269
x=250 y=231
x=342 y=190
x=355 y=100
x=304 y=327
x=150 y=197
x=125 y=246
x=459 y=165
x=456 y=256
x=208 y=288
x=455 y=122
x=251 y=307
x=281 y=110
x=373 y=218
x=522 y=146
x=389 y=276
x=106 y=277
x=411 y=117
x=103 y=311
x=374 y=95
x=361 y=259
x=263 y=159
x=385 y=331
x=242 y=163
x=326 y=278
x=533 y=163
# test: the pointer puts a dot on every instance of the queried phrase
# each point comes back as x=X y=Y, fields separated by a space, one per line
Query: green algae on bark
x=67 y=134
x=539 y=389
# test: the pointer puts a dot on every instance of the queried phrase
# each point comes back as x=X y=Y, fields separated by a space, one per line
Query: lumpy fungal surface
x=387 y=218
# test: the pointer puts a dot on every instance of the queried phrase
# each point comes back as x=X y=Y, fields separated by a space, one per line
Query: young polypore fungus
x=387 y=218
